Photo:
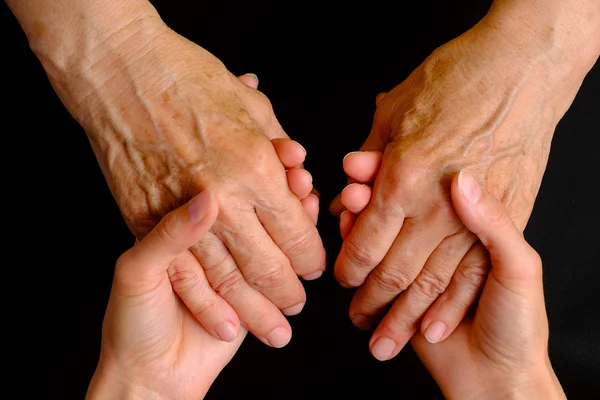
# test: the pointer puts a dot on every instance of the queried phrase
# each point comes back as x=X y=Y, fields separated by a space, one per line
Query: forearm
x=82 y=43
x=564 y=35
x=67 y=32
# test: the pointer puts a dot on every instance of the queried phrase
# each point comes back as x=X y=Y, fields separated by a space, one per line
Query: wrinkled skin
x=468 y=106
x=167 y=120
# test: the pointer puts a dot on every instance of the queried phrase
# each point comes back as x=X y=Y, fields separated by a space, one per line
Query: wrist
x=106 y=384
x=541 y=384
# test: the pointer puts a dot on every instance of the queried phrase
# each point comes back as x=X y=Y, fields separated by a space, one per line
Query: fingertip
x=279 y=337
x=249 y=79
x=435 y=332
x=347 y=221
x=300 y=182
x=311 y=205
x=200 y=205
x=291 y=153
x=227 y=331
x=362 y=166
x=355 y=197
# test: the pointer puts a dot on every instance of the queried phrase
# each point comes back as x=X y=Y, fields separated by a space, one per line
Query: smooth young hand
x=152 y=345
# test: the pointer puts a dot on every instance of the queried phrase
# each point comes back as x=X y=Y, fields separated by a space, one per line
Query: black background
x=321 y=63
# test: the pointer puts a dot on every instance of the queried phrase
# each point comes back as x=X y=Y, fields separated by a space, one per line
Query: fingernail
x=345 y=285
x=302 y=147
x=200 y=205
x=255 y=77
x=315 y=196
x=383 y=348
x=346 y=156
x=313 y=276
x=310 y=175
x=435 y=332
x=469 y=187
x=361 y=322
x=295 y=310
x=279 y=337
x=226 y=331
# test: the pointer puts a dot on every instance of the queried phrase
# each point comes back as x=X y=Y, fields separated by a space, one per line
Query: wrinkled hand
x=167 y=120
x=152 y=345
x=502 y=350
x=468 y=105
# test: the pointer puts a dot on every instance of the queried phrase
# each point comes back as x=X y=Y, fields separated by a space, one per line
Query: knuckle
x=472 y=274
x=429 y=285
x=498 y=217
x=360 y=256
x=299 y=244
x=272 y=277
x=185 y=280
x=168 y=229
x=396 y=325
x=368 y=306
x=392 y=281
x=228 y=283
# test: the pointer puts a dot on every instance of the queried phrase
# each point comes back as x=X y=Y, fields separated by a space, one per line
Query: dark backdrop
x=322 y=64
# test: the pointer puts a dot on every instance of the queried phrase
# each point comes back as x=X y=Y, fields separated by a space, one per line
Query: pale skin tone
x=488 y=101
x=154 y=348
x=166 y=119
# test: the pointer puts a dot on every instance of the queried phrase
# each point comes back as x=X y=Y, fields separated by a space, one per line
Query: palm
x=157 y=334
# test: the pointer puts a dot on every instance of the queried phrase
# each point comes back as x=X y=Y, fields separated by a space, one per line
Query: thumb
x=513 y=260
x=174 y=234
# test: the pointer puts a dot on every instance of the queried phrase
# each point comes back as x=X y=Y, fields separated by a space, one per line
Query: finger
x=347 y=221
x=355 y=197
x=379 y=98
x=250 y=80
x=487 y=218
x=395 y=274
x=363 y=166
x=336 y=208
x=311 y=206
x=290 y=153
x=403 y=319
x=299 y=182
x=174 y=234
x=212 y=311
x=294 y=232
x=374 y=232
x=256 y=313
x=452 y=306
x=271 y=273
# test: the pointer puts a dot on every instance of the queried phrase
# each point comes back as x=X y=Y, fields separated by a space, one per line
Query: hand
x=478 y=102
x=501 y=350
x=167 y=121
x=152 y=345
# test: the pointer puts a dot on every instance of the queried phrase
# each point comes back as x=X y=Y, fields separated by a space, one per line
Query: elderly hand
x=167 y=120
x=501 y=351
x=487 y=101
